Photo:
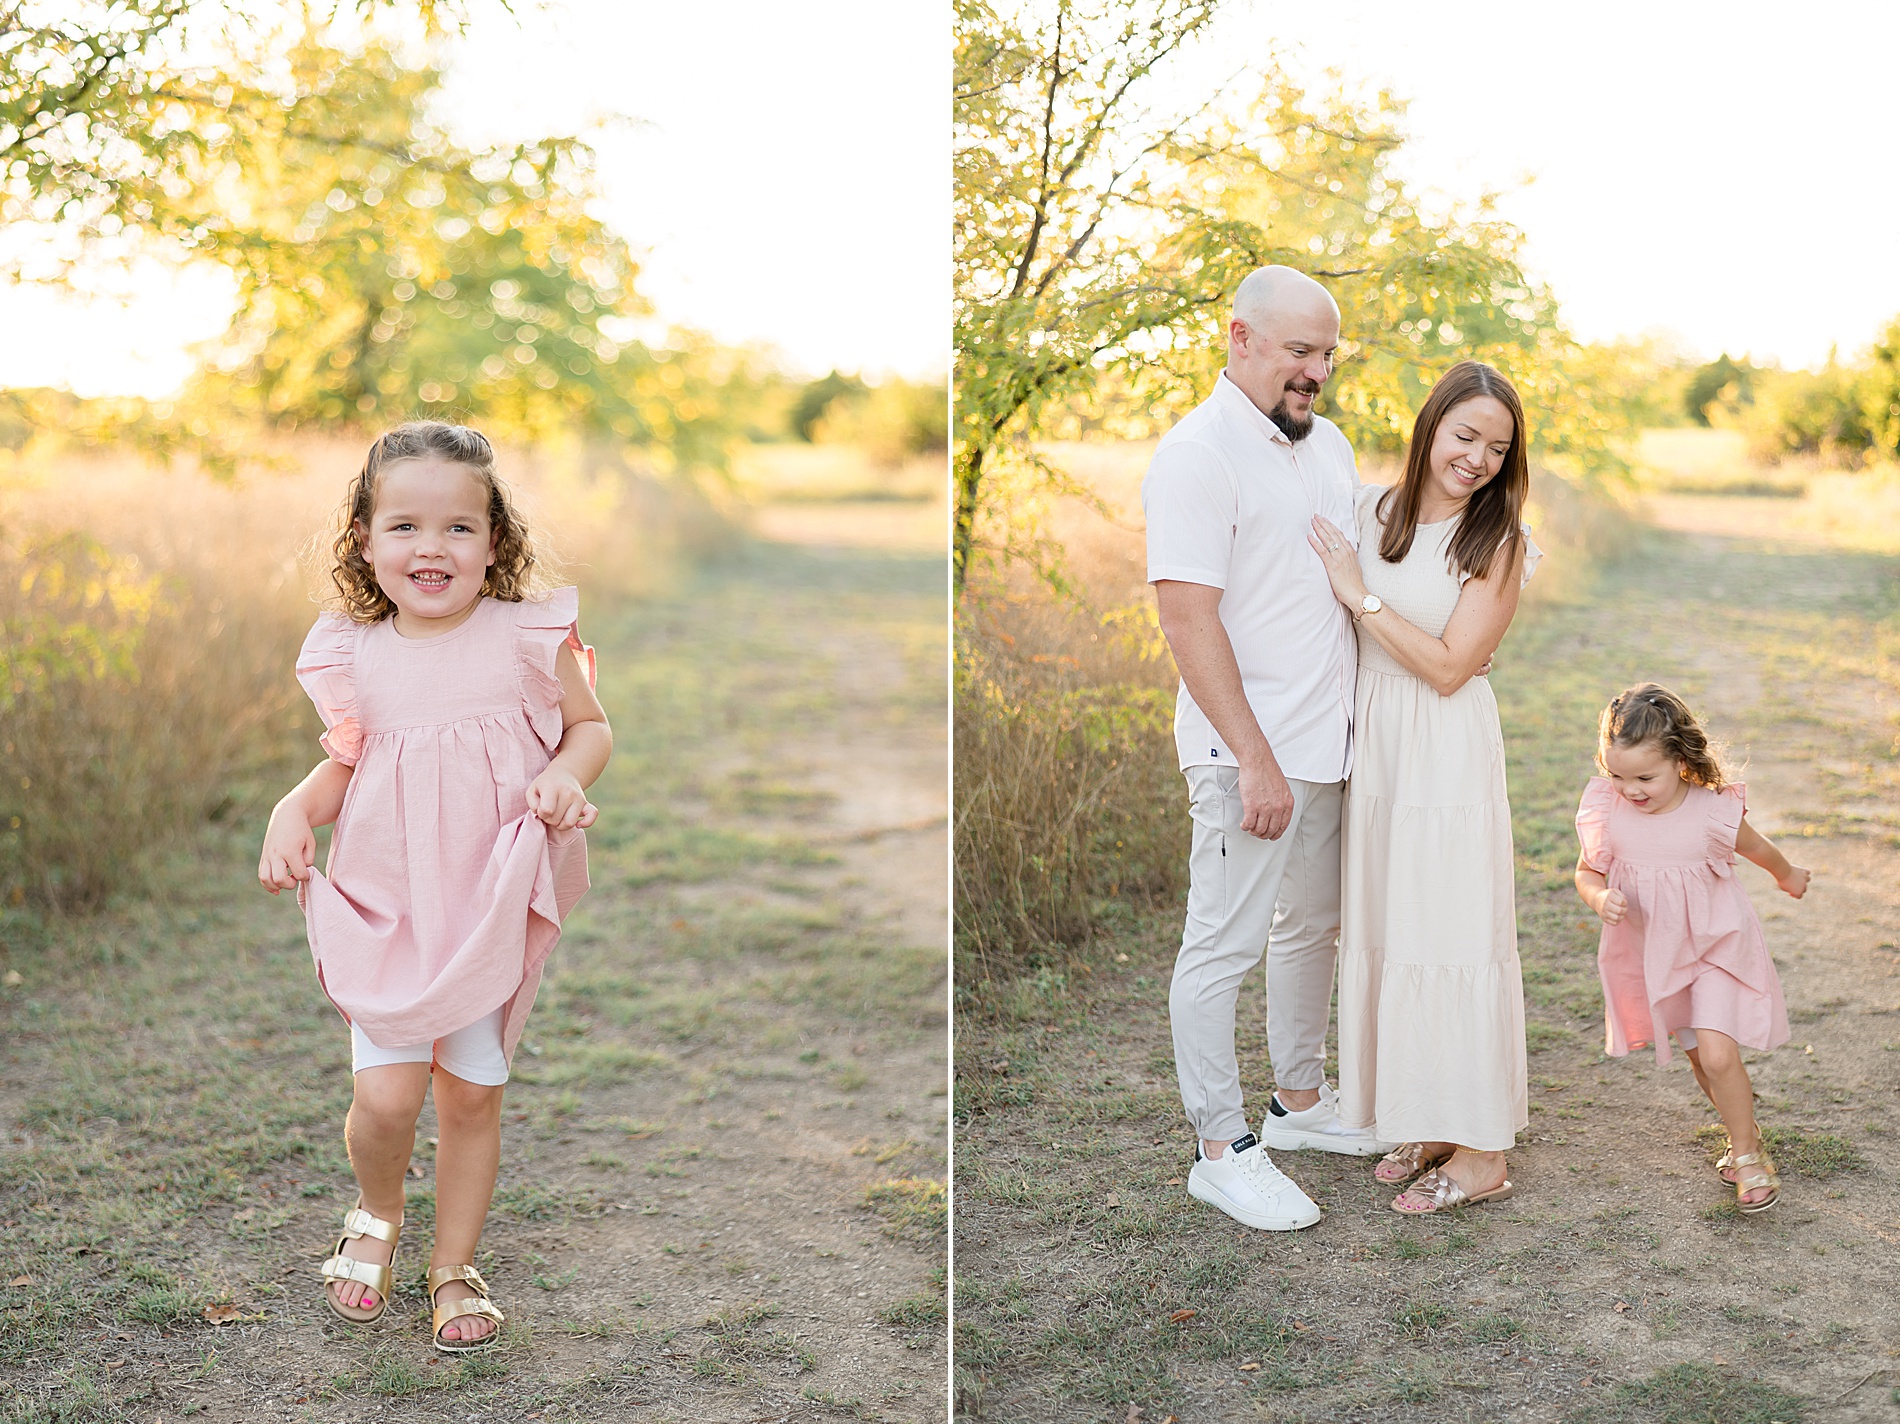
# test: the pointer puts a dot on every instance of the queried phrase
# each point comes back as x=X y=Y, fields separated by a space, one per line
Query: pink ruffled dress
x=1690 y=953
x=444 y=896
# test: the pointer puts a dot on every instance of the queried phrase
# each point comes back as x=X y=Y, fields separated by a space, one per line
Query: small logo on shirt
x=1214 y=752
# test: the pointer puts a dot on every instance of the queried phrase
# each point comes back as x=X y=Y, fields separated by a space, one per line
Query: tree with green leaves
x=383 y=270
x=98 y=111
x=1724 y=382
x=1100 y=239
x=1880 y=392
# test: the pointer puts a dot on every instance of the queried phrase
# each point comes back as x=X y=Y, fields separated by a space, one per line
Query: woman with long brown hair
x=1431 y=1003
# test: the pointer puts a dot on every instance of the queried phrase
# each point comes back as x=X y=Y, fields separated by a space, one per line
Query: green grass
x=1815 y=1155
x=1694 y=1393
x=741 y=1339
x=918 y=1312
x=913 y=1208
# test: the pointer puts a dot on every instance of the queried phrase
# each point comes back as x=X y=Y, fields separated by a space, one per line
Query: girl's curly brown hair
x=1650 y=713
x=511 y=578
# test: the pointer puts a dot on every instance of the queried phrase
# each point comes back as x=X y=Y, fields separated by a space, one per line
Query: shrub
x=1065 y=772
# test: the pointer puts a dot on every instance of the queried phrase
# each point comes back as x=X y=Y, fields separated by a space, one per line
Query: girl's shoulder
x=332 y=638
x=1598 y=798
x=544 y=626
x=326 y=667
x=1593 y=821
x=1722 y=813
x=559 y=608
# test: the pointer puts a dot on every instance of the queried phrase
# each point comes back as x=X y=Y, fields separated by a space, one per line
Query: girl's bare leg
x=467 y=1158
x=1702 y=1082
x=381 y=1134
x=1718 y=1067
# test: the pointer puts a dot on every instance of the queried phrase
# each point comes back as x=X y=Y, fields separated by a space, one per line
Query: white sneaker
x=1244 y=1183
x=1318 y=1127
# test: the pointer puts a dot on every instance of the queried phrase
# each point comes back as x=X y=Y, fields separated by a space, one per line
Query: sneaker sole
x=1291 y=1139
x=1259 y=1223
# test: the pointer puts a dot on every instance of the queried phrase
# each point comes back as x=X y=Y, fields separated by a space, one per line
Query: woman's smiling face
x=1468 y=450
x=429 y=542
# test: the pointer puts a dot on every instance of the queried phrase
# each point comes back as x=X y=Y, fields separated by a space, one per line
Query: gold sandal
x=1446 y=1195
x=1747 y=1181
x=475 y=1305
x=357 y=1224
x=1411 y=1158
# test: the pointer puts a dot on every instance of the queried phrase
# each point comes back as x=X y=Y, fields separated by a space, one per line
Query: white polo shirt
x=1230 y=501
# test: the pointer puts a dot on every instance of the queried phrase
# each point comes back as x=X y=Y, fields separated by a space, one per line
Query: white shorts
x=472 y=1054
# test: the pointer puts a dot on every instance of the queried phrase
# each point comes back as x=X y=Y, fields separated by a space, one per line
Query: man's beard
x=1295 y=427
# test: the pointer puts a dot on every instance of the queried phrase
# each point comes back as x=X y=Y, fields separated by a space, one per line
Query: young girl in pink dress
x=1682 y=950
x=462 y=732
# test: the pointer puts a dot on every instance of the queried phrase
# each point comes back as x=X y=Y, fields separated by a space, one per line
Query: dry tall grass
x=1064 y=706
x=1067 y=792
x=149 y=623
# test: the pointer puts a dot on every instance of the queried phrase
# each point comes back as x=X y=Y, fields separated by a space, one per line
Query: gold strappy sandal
x=475 y=1305
x=1411 y=1158
x=357 y=1224
x=1446 y=1195
x=1747 y=1181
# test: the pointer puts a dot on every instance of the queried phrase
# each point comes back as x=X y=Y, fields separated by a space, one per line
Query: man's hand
x=1266 y=802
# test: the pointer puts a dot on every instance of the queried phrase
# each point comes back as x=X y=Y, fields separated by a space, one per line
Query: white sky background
x=786 y=180
x=1725 y=172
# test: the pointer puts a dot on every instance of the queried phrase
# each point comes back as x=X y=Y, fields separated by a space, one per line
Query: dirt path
x=1619 y=1284
x=723 y=1161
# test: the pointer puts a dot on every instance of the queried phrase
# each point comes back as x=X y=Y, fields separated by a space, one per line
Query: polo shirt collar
x=1237 y=400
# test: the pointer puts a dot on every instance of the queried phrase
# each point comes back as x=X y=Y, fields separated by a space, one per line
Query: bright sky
x=1725 y=172
x=786 y=179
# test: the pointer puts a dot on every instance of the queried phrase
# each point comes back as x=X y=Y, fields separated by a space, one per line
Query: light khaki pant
x=1246 y=897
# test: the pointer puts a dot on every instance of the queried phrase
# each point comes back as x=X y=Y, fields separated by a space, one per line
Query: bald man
x=1264 y=733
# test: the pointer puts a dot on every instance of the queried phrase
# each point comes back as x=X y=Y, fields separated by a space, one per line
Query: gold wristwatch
x=1371 y=603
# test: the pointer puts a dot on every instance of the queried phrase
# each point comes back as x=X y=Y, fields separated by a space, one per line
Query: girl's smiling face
x=429 y=542
x=1646 y=778
x=1468 y=450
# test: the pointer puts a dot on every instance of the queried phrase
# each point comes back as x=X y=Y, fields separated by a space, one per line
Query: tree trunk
x=969 y=473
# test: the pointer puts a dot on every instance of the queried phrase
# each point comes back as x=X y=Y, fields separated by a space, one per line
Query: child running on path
x=1682 y=949
x=462 y=732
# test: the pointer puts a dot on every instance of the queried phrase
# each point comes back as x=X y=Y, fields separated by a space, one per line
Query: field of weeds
x=1619 y=1284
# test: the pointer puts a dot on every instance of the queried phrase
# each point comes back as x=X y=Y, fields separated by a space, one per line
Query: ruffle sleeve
x=327 y=669
x=542 y=628
x=1726 y=809
x=1593 y=823
x=1533 y=556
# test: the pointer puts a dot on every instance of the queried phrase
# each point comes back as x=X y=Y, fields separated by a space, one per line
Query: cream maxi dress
x=1431 y=1002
